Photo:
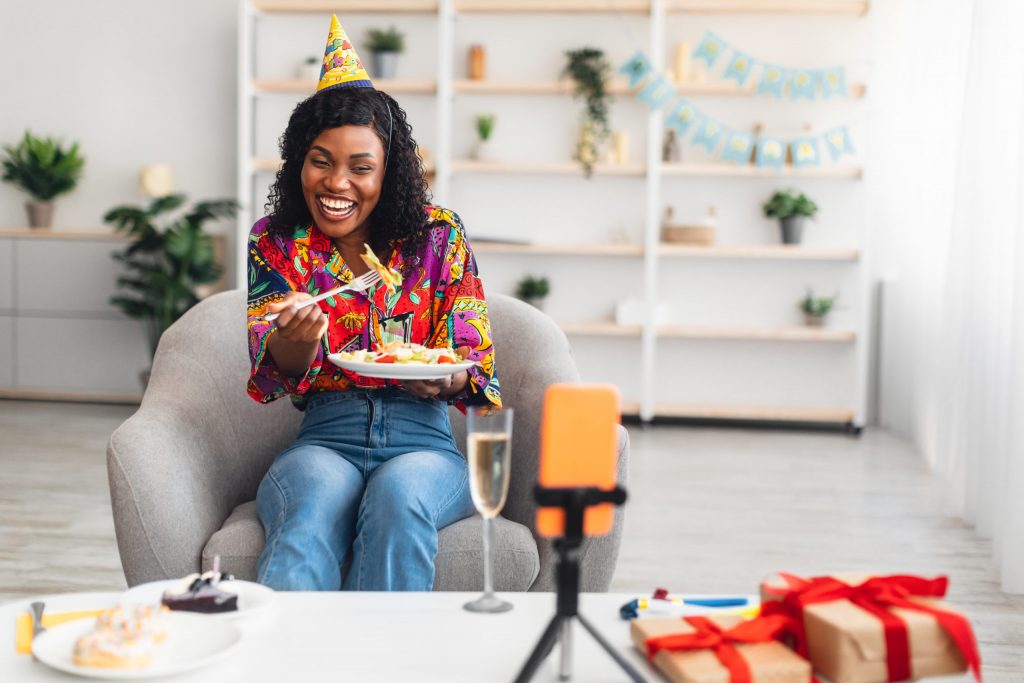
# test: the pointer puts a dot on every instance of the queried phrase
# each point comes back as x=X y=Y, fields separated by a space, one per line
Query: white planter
x=309 y=72
x=484 y=150
x=385 y=64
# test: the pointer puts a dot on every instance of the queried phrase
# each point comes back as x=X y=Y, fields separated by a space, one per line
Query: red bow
x=877 y=596
x=709 y=635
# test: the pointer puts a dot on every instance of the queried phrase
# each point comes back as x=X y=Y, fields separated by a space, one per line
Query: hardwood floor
x=710 y=510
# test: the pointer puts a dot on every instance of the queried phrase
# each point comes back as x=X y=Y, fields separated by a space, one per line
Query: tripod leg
x=541 y=650
x=619 y=659
x=565 y=667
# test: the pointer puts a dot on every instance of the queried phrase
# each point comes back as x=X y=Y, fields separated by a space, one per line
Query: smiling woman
x=374 y=472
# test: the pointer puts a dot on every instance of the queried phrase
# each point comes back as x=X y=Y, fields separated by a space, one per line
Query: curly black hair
x=399 y=215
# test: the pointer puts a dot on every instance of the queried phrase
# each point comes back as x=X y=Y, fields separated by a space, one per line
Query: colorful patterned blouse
x=440 y=303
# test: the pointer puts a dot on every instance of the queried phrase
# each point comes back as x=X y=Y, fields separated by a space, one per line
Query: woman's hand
x=294 y=345
x=443 y=388
x=298 y=326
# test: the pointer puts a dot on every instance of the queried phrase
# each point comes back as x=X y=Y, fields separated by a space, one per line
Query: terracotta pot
x=814 y=320
x=40 y=214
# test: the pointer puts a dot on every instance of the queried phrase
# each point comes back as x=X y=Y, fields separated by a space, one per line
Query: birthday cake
x=208 y=593
x=122 y=638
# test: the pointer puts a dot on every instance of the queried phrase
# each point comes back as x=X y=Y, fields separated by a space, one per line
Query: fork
x=359 y=284
x=37 y=618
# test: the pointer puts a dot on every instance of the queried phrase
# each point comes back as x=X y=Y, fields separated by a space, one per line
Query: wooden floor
x=710 y=511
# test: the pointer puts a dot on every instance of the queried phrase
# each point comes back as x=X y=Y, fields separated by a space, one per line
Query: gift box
x=722 y=649
x=857 y=628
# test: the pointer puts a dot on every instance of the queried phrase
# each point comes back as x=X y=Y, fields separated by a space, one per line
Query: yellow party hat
x=341 y=65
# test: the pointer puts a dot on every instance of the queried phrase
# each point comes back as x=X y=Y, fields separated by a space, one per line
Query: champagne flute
x=489 y=451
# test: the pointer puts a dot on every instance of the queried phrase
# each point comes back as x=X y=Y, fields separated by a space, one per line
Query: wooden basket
x=688 y=234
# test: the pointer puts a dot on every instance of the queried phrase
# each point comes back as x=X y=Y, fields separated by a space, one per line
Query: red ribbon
x=877 y=596
x=709 y=635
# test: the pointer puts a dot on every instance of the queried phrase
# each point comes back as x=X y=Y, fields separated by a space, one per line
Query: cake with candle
x=122 y=638
x=209 y=593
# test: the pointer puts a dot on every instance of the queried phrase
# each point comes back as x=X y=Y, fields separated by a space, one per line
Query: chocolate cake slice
x=201 y=593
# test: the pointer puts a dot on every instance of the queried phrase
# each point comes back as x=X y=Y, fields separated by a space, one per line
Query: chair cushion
x=459 y=561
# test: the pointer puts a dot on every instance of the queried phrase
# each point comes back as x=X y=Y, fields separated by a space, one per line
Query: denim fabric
x=368 y=482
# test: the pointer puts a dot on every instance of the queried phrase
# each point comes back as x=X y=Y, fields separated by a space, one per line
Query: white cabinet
x=59 y=335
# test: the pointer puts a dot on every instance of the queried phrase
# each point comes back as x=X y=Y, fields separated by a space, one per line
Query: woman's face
x=342 y=178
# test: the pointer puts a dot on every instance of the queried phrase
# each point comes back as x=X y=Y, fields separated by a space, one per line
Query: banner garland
x=767 y=151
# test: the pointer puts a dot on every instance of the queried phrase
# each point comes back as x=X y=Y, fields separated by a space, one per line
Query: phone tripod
x=574 y=501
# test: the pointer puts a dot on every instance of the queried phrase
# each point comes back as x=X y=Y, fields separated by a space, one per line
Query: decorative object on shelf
x=342 y=66
x=165 y=265
x=386 y=45
x=533 y=290
x=477 y=67
x=156 y=180
x=768 y=151
x=309 y=70
x=684 y=71
x=670 y=151
x=44 y=169
x=484 y=130
x=815 y=309
x=699 y=232
x=620 y=146
x=590 y=72
x=775 y=80
x=791 y=209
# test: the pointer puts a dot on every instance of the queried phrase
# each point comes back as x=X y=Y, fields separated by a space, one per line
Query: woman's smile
x=336 y=207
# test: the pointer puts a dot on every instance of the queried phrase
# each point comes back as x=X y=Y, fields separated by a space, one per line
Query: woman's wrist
x=458 y=385
x=293 y=358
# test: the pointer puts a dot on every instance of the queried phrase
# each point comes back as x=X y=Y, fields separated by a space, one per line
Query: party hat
x=341 y=65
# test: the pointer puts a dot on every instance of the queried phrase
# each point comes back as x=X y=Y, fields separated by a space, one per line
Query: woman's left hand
x=442 y=388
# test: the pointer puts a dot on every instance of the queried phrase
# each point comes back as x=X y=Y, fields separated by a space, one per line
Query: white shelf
x=559 y=249
x=543 y=168
x=343 y=7
x=618 y=88
x=759 y=334
x=767 y=252
x=297 y=86
x=853 y=8
x=552 y=6
x=727 y=170
x=774 y=413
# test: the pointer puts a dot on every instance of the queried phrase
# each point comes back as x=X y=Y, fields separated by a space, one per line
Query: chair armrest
x=598 y=554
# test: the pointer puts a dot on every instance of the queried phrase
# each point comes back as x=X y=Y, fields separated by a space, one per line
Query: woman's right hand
x=300 y=326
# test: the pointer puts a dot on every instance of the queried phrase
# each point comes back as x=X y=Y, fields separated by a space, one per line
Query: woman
x=374 y=472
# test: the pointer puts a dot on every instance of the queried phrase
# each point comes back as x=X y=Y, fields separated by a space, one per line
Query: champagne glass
x=489 y=451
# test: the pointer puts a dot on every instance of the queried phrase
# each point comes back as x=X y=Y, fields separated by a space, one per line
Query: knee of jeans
x=398 y=498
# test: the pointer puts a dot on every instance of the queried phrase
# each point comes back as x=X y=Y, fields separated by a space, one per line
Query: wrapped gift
x=864 y=629
x=722 y=649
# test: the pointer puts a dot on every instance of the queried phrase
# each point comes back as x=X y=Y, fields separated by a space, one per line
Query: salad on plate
x=403 y=353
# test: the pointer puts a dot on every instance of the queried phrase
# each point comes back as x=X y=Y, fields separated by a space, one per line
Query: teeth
x=336 y=204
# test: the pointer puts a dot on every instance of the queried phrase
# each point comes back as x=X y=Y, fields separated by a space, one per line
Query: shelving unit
x=648 y=254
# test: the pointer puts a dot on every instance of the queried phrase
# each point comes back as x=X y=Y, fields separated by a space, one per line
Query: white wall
x=134 y=83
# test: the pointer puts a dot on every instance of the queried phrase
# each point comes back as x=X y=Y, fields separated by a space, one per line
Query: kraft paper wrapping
x=847 y=644
x=772 y=661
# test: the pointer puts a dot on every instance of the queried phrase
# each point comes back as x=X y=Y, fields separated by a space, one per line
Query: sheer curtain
x=947 y=185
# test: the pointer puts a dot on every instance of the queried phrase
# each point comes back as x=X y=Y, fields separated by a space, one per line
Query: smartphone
x=579 y=448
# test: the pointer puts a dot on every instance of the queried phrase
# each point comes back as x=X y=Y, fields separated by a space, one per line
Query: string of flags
x=775 y=80
x=736 y=146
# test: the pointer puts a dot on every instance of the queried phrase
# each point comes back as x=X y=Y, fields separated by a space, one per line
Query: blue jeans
x=369 y=481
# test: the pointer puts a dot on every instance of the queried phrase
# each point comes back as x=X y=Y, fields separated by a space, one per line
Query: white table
x=358 y=637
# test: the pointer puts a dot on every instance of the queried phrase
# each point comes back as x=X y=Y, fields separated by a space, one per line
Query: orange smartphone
x=579 y=448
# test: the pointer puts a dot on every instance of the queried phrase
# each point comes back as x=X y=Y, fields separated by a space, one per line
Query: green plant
x=310 y=61
x=385 y=40
x=532 y=287
x=485 y=126
x=165 y=265
x=816 y=306
x=589 y=70
x=786 y=203
x=42 y=167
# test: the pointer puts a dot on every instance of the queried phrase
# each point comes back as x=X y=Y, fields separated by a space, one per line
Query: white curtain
x=946 y=174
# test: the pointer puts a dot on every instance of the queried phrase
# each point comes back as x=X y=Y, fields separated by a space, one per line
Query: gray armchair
x=184 y=469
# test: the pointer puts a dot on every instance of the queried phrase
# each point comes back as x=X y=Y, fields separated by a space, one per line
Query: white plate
x=192 y=642
x=253 y=598
x=400 y=370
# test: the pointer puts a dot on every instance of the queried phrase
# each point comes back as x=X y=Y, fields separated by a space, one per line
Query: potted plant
x=590 y=70
x=386 y=45
x=533 y=290
x=165 y=265
x=484 y=130
x=815 y=309
x=44 y=169
x=310 y=69
x=791 y=209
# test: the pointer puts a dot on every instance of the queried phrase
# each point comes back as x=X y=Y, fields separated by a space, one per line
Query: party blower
x=576 y=490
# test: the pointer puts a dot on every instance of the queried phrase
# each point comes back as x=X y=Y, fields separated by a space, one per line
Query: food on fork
x=208 y=593
x=403 y=352
x=122 y=638
x=389 y=276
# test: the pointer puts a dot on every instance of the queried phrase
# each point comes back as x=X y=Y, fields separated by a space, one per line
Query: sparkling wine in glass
x=489 y=452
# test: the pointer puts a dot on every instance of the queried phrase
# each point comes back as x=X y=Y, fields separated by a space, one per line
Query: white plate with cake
x=210 y=595
x=131 y=643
